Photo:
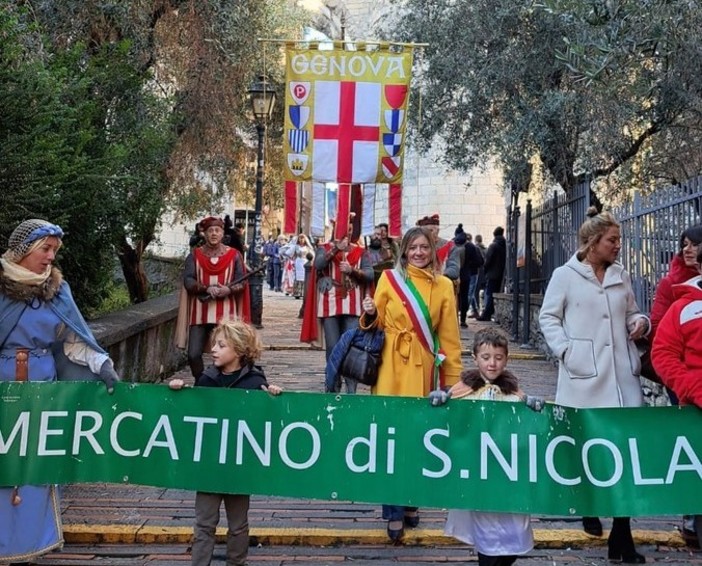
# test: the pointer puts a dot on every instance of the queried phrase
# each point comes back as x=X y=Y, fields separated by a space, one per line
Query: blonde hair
x=593 y=229
x=242 y=338
x=28 y=236
x=410 y=236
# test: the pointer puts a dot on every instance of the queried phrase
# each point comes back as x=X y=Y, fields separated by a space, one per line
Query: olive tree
x=586 y=86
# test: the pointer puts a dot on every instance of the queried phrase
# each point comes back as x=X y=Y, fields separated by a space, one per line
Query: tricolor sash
x=418 y=312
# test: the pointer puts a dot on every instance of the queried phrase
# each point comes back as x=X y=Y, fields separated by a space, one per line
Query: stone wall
x=140 y=339
x=654 y=393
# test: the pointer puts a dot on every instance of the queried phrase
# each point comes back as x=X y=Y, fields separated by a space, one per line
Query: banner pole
x=364 y=42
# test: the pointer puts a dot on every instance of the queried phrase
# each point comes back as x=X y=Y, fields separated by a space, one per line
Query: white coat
x=586 y=325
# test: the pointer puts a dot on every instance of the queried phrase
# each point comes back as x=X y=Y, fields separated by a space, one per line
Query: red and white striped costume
x=212 y=271
x=345 y=295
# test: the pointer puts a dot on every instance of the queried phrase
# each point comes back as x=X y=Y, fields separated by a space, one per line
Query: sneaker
x=463 y=324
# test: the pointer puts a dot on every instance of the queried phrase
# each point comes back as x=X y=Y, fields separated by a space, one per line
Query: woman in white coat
x=590 y=320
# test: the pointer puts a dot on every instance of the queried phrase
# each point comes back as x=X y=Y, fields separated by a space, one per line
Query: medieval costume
x=211 y=266
x=338 y=295
x=43 y=337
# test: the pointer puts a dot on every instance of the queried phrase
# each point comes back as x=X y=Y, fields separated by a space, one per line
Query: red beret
x=205 y=223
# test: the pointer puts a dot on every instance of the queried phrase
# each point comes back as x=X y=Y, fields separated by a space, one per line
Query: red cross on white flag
x=346 y=131
x=346 y=114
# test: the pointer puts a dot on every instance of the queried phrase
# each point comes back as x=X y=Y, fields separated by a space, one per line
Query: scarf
x=19 y=274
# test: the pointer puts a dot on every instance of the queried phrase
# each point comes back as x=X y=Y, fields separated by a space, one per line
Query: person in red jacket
x=682 y=268
x=677 y=354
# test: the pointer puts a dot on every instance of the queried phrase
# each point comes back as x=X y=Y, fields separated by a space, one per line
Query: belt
x=22 y=364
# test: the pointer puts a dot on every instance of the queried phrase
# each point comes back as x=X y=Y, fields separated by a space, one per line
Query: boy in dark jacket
x=235 y=347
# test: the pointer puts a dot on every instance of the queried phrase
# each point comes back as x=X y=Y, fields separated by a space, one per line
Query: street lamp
x=262 y=97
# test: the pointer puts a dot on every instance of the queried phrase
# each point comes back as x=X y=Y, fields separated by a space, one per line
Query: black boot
x=621 y=544
x=688 y=531
x=396 y=534
x=592 y=526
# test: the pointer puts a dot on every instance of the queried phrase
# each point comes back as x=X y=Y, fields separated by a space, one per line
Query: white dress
x=492 y=534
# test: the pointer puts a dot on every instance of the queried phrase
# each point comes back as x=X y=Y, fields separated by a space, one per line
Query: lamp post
x=262 y=98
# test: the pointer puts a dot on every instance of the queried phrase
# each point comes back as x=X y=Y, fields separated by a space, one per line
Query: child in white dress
x=499 y=538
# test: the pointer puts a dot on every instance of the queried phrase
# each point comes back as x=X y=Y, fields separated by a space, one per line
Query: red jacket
x=677 y=347
x=679 y=273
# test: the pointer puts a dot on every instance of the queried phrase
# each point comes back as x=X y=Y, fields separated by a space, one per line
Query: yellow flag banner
x=345 y=115
x=470 y=454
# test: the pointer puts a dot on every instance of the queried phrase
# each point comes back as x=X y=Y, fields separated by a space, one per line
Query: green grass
x=116 y=299
x=118 y=295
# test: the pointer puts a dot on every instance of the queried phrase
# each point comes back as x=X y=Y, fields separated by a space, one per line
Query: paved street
x=115 y=525
x=358 y=555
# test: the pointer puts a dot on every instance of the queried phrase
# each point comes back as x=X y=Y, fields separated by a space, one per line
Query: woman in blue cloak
x=43 y=338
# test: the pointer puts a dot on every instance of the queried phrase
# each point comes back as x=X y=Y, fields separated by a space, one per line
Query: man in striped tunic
x=210 y=279
x=344 y=273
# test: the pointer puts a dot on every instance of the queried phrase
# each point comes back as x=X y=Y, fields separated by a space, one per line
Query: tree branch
x=633 y=149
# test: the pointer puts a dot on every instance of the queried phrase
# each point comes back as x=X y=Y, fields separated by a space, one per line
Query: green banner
x=467 y=454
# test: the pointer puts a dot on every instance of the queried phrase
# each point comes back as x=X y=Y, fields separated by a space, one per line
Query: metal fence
x=553 y=231
x=651 y=228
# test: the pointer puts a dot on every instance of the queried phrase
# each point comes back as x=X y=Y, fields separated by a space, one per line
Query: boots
x=621 y=544
x=592 y=526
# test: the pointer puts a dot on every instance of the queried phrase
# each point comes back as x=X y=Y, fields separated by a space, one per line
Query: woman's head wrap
x=25 y=237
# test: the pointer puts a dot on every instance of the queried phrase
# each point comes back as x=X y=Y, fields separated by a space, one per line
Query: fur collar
x=507 y=382
x=27 y=293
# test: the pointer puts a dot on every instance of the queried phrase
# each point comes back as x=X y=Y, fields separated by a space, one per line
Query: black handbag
x=647 y=370
x=362 y=360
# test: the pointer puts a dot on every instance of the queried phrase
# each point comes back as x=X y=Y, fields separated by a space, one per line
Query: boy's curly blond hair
x=241 y=337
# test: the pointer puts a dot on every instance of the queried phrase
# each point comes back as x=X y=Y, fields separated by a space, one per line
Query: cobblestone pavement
x=358 y=555
x=113 y=525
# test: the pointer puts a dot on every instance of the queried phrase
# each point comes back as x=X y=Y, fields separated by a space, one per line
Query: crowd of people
x=432 y=288
x=418 y=291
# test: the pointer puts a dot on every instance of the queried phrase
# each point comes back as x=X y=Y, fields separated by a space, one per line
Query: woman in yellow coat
x=416 y=307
